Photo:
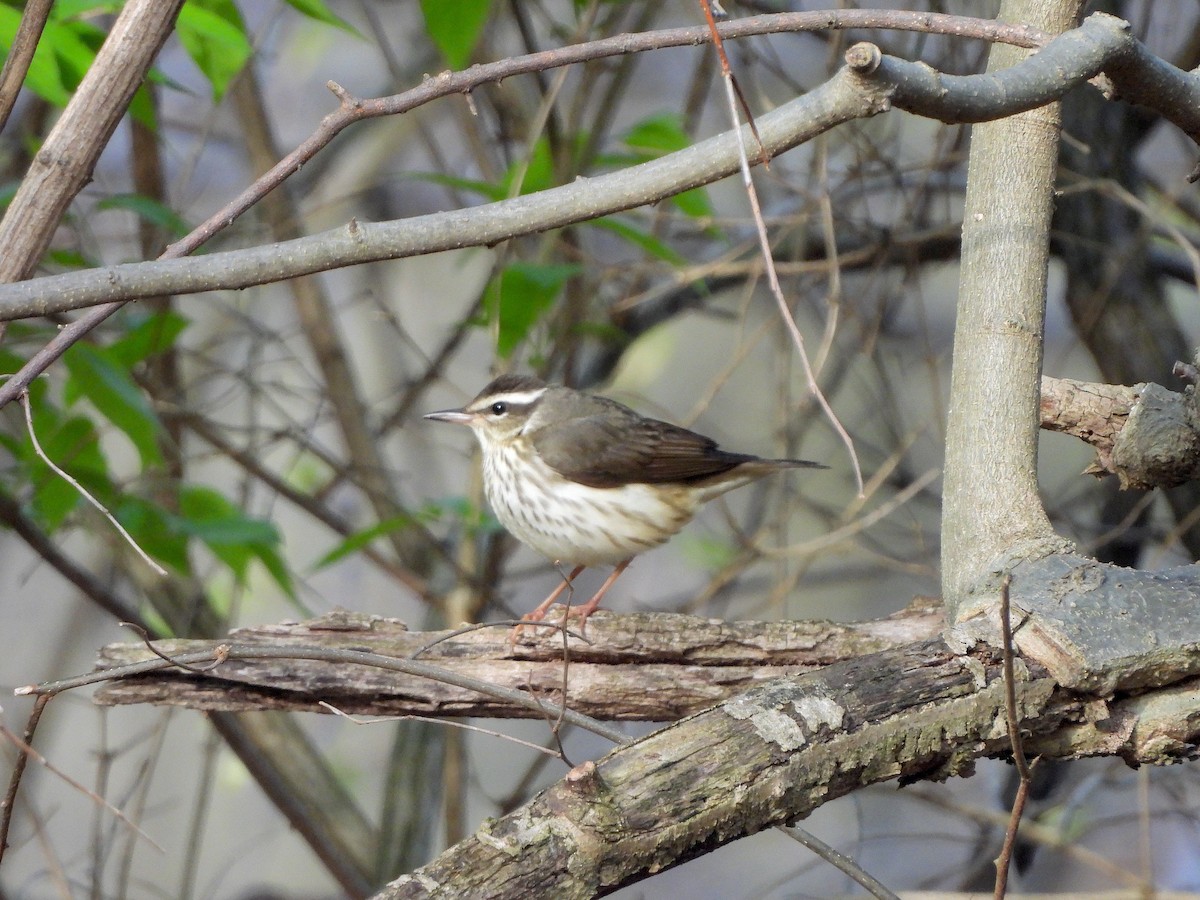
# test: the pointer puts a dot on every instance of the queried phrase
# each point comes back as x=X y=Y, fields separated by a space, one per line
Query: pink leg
x=592 y=605
x=540 y=613
x=581 y=611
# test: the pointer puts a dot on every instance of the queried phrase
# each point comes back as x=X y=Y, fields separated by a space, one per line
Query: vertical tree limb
x=991 y=506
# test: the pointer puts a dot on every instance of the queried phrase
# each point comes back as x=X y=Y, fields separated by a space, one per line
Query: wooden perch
x=828 y=721
x=1094 y=413
x=777 y=752
x=1146 y=435
x=646 y=666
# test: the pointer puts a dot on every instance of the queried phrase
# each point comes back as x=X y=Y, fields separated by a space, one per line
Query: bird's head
x=500 y=412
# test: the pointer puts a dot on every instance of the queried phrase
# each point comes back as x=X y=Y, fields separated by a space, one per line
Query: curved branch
x=869 y=85
x=862 y=90
x=779 y=751
x=765 y=757
x=838 y=100
x=353 y=109
x=447 y=84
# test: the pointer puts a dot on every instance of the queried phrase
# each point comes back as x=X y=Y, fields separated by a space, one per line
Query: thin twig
x=1014 y=735
x=840 y=861
x=339 y=656
x=859 y=525
x=27 y=752
x=65 y=476
x=503 y=623
x=556 y=729
x=1057 y=838
x=50 y=552
x=195 y=670
x=412 y=717
x=727 y=72
x=252 y=462
x=777 y=290
x=55 y=872
x=1010 y=684
x=14 y=781
x=353 y=109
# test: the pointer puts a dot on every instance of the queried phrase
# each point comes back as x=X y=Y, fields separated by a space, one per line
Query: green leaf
x=43 y=77
x=73 y=444
x=273 y=562
x=233 y=537
x=155 y=621
x=475 y=519
x=70 y=259
x=658 y=135
x=148 y=209
x=219 y=524
x=516 y=299
x=539 y=173
x=141 y=107
x=472 y=518
x=148 y=337
x=454 y=26
x=604 y=332
x=308 y=473
x=155 y=530
x=96 y=374
x=68 y=9
x=490 y=191
x=214 y=35
x=694 y=203
x=639 y=238
x=316 y=9
x=10 y=362
x=708 y=552
x=360 y=539
x=62 y=56
x=662 y=134
x=75 y=44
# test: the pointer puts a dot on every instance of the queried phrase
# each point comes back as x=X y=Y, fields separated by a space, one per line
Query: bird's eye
x=499 y=408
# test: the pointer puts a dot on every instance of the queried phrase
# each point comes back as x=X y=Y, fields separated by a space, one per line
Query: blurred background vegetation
x=266 y=446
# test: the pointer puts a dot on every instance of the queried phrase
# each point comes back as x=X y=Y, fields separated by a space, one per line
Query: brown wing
x=617 y=446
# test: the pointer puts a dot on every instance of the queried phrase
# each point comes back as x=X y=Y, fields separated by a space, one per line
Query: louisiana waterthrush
x=586 y=480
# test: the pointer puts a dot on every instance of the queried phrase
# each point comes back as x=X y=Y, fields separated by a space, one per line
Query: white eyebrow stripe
x=516 y=398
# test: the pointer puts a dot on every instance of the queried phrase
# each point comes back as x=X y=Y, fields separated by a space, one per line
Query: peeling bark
x=650 y=666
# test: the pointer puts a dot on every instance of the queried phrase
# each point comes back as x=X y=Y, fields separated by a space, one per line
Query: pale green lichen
x=516 y=840
x=778 y=728
x=817 y=710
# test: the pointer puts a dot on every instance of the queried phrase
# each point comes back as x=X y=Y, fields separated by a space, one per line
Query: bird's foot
x=580 y=612
x=532 y=619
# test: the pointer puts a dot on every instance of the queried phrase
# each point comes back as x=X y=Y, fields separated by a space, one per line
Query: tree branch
x=20 y=54
x=648 y=666
x=1094 y=413
x=762 y=758
x=871 y=84
x=65 y=161
x=992 y=424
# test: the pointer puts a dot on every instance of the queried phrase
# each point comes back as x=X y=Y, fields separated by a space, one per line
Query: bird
x=587 y=481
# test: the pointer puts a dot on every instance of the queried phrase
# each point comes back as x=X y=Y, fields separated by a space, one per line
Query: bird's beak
x=454 y=416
